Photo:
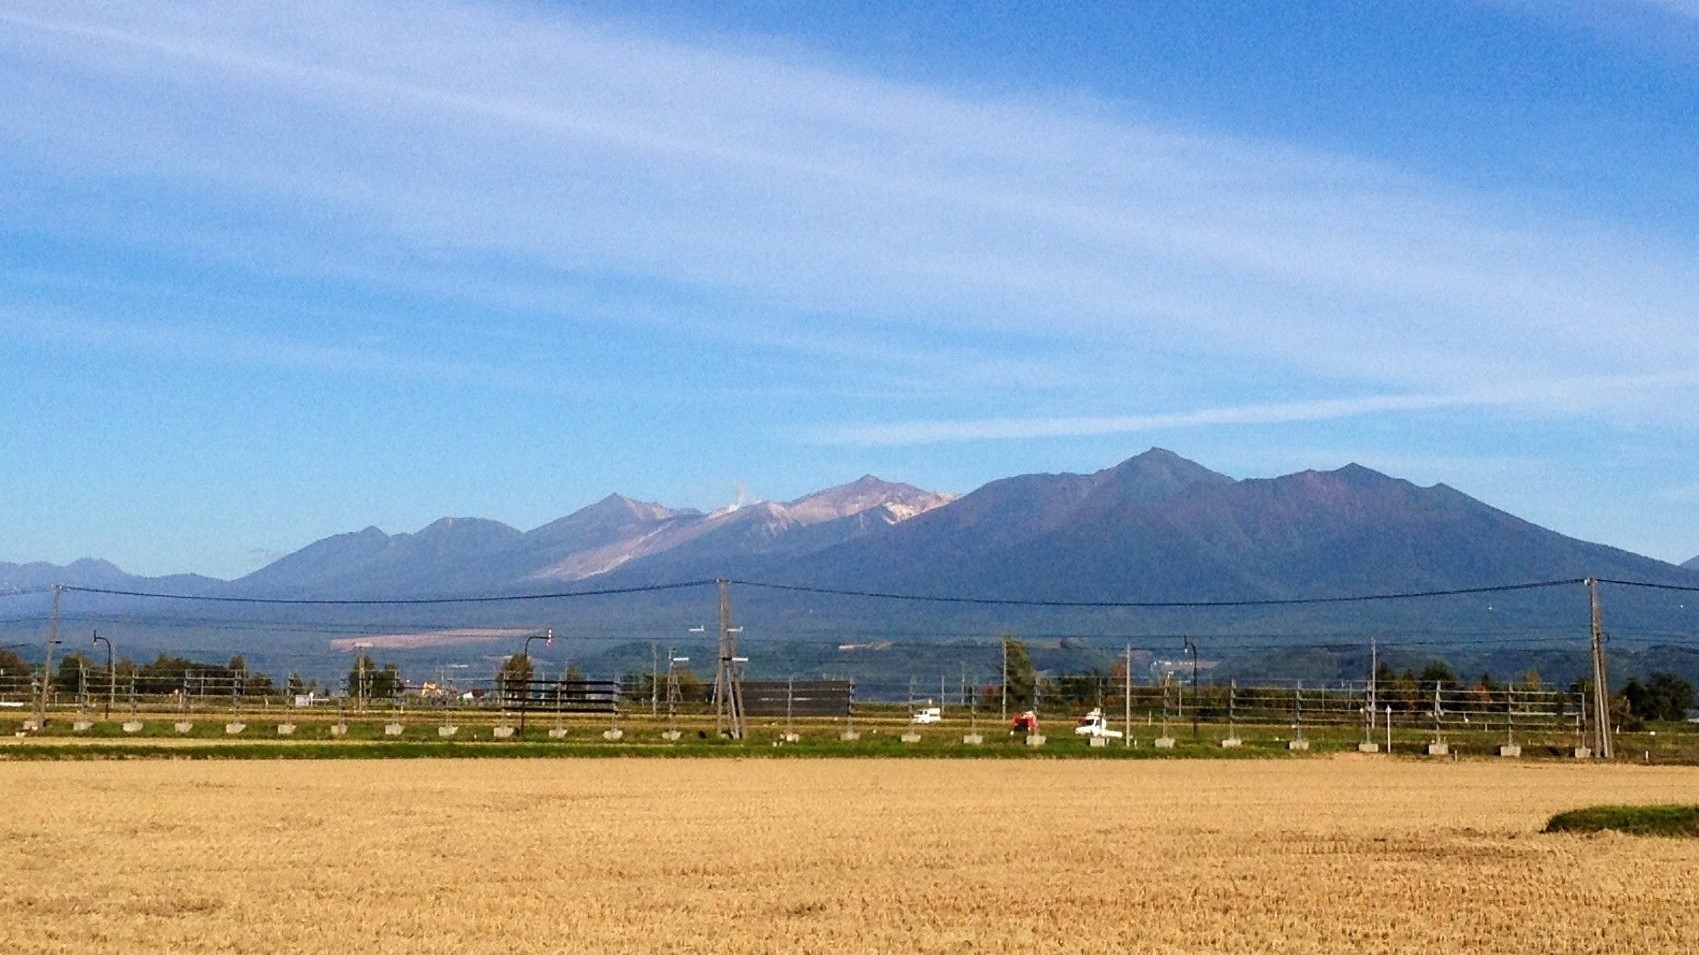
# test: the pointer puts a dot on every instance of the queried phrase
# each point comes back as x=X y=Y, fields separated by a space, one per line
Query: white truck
x=929 y=714
x=1095 y=724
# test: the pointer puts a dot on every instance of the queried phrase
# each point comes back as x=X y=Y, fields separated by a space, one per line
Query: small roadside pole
x=613 y=733
x=184 y=724
x=1389 y=729
x=849 y=735
x=235 y=726
x=134 y=723
x=790 y=697
x=1165 y=741
x=1232 y=741
x=1510 y=749
x=558 y=731
x=1581 y=751
x=909 y=734
x=1438 y=747
x=973 y=737
x=672 y=733
x=1035 y=738
x=83 y=723
x=1298 y=742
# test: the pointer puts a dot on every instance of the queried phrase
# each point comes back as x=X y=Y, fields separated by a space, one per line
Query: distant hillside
x=1158 y=527
x=90 y=572
x=1692 y=564
x=470 y=556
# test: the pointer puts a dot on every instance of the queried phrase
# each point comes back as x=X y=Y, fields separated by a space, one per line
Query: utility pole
x=1005 y=713
x=1193 y=649
x=47 y=659
x=1601 y=677
x=1127 y=701
x=728 y=684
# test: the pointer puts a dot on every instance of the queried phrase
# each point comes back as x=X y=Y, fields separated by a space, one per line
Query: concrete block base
x=1298 y=745
x=1368 y=747
x=1582 y=752
x=184 y=726
x=1232 y=742
x=393 y=729
x=1510 y=751
x=972 y=739
x=502 y=732
x=234 y=729
x=339 y=730
x=1098 y=742
x=911 y=737
x=82 y=726
x=133 y=726
x=613 y=736
x=671 y=736
x=849 y=736
x=1164 y=742
x=558 y=732
x=1439 y=749
x=446 y=731
x=286 y=729
x=790 y=737
x=1035 y=740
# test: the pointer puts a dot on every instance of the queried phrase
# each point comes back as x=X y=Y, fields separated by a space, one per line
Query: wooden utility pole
x=1127 y=700
x=1005 y=713
x=1601 y=678
x=47 y=659
x=728 y=683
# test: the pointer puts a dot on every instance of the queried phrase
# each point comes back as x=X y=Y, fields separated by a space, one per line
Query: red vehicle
x=1024 y=723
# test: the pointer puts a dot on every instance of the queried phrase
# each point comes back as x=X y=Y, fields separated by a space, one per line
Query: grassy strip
x=1678 y=821
x=512 y=749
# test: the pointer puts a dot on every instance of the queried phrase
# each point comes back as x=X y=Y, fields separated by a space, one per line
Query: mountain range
x=1155 y=527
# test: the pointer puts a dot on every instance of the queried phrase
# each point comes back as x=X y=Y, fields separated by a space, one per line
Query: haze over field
x=275 y=272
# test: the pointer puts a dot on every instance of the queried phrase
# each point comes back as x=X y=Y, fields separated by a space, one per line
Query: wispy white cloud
x=439 y=144
x=1545 y=395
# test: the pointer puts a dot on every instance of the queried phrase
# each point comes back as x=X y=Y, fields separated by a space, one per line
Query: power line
x=1684 y=588
x=396 y=601
x=1168 y=604
x=877 y=595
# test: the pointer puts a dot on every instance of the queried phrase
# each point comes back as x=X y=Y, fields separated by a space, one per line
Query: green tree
x=15 y=674
x=691 y=688
x=514 y=676
x=1664 y=696
x=1023 y=678
x=1437 y=672
x=69 y=678
x=367 y=680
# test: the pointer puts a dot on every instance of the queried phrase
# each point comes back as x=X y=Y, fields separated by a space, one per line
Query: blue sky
x=277 y=271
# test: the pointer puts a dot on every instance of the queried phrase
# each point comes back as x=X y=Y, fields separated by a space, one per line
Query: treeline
x=1662 y=696
x=76 y=673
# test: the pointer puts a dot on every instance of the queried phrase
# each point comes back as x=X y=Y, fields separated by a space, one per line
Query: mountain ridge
x=1154 y=526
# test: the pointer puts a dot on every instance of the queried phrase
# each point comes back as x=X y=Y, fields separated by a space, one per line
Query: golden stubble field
x=721 y=855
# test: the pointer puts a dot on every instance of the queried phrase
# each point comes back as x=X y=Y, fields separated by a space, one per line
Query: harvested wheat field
x=1346 y=855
